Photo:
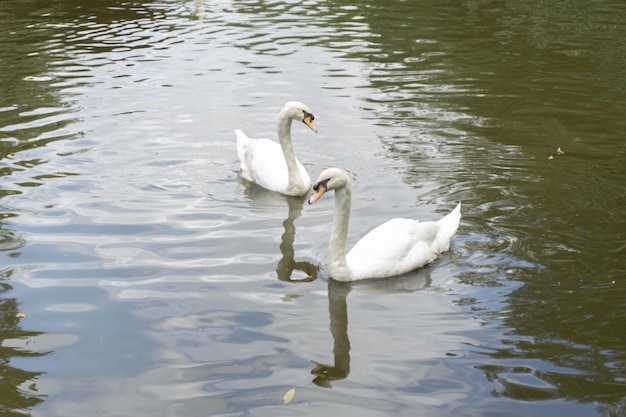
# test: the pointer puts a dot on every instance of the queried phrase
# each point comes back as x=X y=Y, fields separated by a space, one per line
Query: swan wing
x=401 y=245
x=263 y=163
x=266 y=164
x=393 y=248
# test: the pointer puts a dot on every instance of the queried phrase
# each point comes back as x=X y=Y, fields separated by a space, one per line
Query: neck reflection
x=288 y=264
x=338 y=309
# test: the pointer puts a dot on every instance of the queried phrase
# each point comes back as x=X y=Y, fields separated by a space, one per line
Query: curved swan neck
x=284 y=137
x=337 y=265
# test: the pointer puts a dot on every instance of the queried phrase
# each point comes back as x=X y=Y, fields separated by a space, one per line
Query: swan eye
x=307 y=114
x=316 y=186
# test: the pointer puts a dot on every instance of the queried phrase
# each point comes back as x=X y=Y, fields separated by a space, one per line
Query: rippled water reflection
x=152 y=281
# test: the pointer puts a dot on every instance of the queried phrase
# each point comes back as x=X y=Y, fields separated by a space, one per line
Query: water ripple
x=121 y=205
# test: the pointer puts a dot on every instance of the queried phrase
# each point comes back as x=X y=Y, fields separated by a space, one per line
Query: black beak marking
x=316 y=186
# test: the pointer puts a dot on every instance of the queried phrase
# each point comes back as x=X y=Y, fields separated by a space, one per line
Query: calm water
x=140 y=277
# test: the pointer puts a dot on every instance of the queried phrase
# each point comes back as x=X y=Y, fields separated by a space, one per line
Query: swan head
x=329 y=179
x=299 y=111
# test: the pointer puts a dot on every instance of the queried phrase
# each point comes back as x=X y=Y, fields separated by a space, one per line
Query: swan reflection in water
x=338 y=310
x=287 y=265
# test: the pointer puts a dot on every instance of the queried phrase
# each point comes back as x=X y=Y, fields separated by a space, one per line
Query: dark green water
x=153 y=282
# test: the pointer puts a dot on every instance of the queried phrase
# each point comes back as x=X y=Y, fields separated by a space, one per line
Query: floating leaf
x=551 y=157
x=559 y=151
x=289 y=396
x=20 y=315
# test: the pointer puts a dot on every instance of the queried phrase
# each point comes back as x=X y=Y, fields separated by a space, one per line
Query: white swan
x=273 y=166
x=393 y=248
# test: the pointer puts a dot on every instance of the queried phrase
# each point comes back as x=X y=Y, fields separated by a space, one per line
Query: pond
x=141 y=276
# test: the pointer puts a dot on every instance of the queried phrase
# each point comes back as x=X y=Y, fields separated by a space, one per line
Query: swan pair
x=393 y=248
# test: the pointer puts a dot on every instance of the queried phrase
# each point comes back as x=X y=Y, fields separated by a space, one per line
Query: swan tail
x=242 y=144
x=447 y=228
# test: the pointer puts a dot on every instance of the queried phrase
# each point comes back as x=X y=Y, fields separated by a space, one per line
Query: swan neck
x=284 y=137
x=337 y=264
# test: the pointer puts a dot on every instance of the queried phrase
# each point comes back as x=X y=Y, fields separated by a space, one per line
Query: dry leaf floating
x=289 y=396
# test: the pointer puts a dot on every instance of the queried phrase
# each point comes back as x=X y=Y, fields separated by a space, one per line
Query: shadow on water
x=338 y=311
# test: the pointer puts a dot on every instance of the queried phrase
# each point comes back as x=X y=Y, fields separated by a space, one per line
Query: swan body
x=393 y=248
x=273 y=165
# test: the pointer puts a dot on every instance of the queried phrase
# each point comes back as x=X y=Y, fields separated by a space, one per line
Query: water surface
x=153 y=281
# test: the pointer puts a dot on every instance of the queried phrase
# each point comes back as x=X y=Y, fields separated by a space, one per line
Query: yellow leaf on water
x=289 y=396
x=551 y=157
x=20 y=315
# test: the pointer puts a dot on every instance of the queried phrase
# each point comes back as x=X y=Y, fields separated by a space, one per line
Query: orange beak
x=320 y=189
x=307 y=121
